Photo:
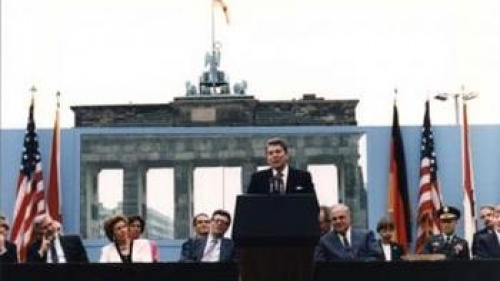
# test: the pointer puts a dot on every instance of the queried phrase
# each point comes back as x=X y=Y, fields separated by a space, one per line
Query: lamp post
x=462 y=96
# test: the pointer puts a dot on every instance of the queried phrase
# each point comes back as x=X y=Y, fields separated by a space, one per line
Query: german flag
x=398 y=202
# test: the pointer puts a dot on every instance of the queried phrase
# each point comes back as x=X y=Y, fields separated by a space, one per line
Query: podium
x=275 y=236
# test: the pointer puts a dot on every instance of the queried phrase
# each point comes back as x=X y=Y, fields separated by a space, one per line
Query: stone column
x=183 y=192
x=355 y=195
x=132 y=182
x=89 y=204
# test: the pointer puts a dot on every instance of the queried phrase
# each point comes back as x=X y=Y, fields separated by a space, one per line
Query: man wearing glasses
x=214 y=247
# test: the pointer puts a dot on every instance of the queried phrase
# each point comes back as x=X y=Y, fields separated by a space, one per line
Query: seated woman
x=136 y=227
x=122 y=248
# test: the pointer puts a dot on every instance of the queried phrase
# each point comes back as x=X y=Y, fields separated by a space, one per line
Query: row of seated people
x=339 y=241
x=125 y=242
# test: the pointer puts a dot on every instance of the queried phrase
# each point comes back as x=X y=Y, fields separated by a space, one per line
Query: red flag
x=223 y=6
x=53 y=195
x=399 y=207
x=468 y=182
x=30 y=201
x=429 y=200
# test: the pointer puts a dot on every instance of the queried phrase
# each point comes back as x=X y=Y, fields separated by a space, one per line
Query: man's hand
x=44 y=247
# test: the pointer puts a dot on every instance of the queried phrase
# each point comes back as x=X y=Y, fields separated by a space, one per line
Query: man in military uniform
x=448 y=243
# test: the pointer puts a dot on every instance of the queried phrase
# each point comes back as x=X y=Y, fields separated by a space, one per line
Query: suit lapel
x=64 y=246
x=290 y=180
x=223 y=249
x=201 y=248
x=338 y=247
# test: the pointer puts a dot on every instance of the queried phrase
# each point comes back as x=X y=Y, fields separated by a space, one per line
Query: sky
x=123 y=51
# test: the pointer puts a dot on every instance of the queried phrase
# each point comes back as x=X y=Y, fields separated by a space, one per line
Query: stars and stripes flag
x=30 y=201
x=223 y=6
x=398 y=201
x=468 y=182
x=430 y=199
x=53 y=190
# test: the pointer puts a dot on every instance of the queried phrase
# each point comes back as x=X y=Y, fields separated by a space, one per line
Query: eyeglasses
x=221 y=221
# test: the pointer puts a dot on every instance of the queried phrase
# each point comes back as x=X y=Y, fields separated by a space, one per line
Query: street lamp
x=463 y=95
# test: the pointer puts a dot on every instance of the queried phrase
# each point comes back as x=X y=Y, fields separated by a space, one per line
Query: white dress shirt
x=211 y=253
x=59 y=250
x=284 y=172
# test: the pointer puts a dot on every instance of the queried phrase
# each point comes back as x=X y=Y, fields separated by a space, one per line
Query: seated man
x=201 y=225
x=344 y=242
x=324 y=220
x=8 y=250
x=488 y=244
x=487 y=216
x=214 y=247
x=53 y=247
x=448 y=243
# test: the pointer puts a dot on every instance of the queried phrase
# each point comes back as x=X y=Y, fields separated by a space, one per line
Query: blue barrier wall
x=485 y=151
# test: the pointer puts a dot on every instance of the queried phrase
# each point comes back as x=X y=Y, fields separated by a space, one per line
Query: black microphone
x=274 y=185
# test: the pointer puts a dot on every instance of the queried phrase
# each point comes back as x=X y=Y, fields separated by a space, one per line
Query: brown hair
x=385 y=223
x=197 y=216
x=278 y=141
x=109 y=224
x=138 y=218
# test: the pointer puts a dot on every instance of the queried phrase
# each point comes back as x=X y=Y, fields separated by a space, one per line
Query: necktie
x=211 y=247
x=280 y=183
x=448 y=241
x=345 y=241
x=53 y=252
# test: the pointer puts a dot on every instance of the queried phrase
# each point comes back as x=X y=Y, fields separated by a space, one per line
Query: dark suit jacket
x=72 y=247
x=10 y=256
x=457 y=249
x=363 y=247
x=397 y=251
x=475 y=238
x=193 y=250
x=298 y=181
x=488 y=246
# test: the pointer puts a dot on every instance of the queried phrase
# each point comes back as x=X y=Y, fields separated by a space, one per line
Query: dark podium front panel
x=276 y=235
x=276 y=220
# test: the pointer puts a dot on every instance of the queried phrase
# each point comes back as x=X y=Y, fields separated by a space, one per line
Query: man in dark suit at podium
x=280 y=178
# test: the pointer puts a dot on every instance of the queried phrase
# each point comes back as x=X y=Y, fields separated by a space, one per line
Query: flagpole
x=33 y=91
x=468 y=188
x=213 y=26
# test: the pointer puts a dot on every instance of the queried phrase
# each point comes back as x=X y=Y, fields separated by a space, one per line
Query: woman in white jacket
x=122 y=248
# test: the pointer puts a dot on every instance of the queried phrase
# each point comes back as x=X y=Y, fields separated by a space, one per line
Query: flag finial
x=58 y=97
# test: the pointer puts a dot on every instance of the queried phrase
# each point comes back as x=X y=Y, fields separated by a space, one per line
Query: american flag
x=30 y=201
x=429 y=197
